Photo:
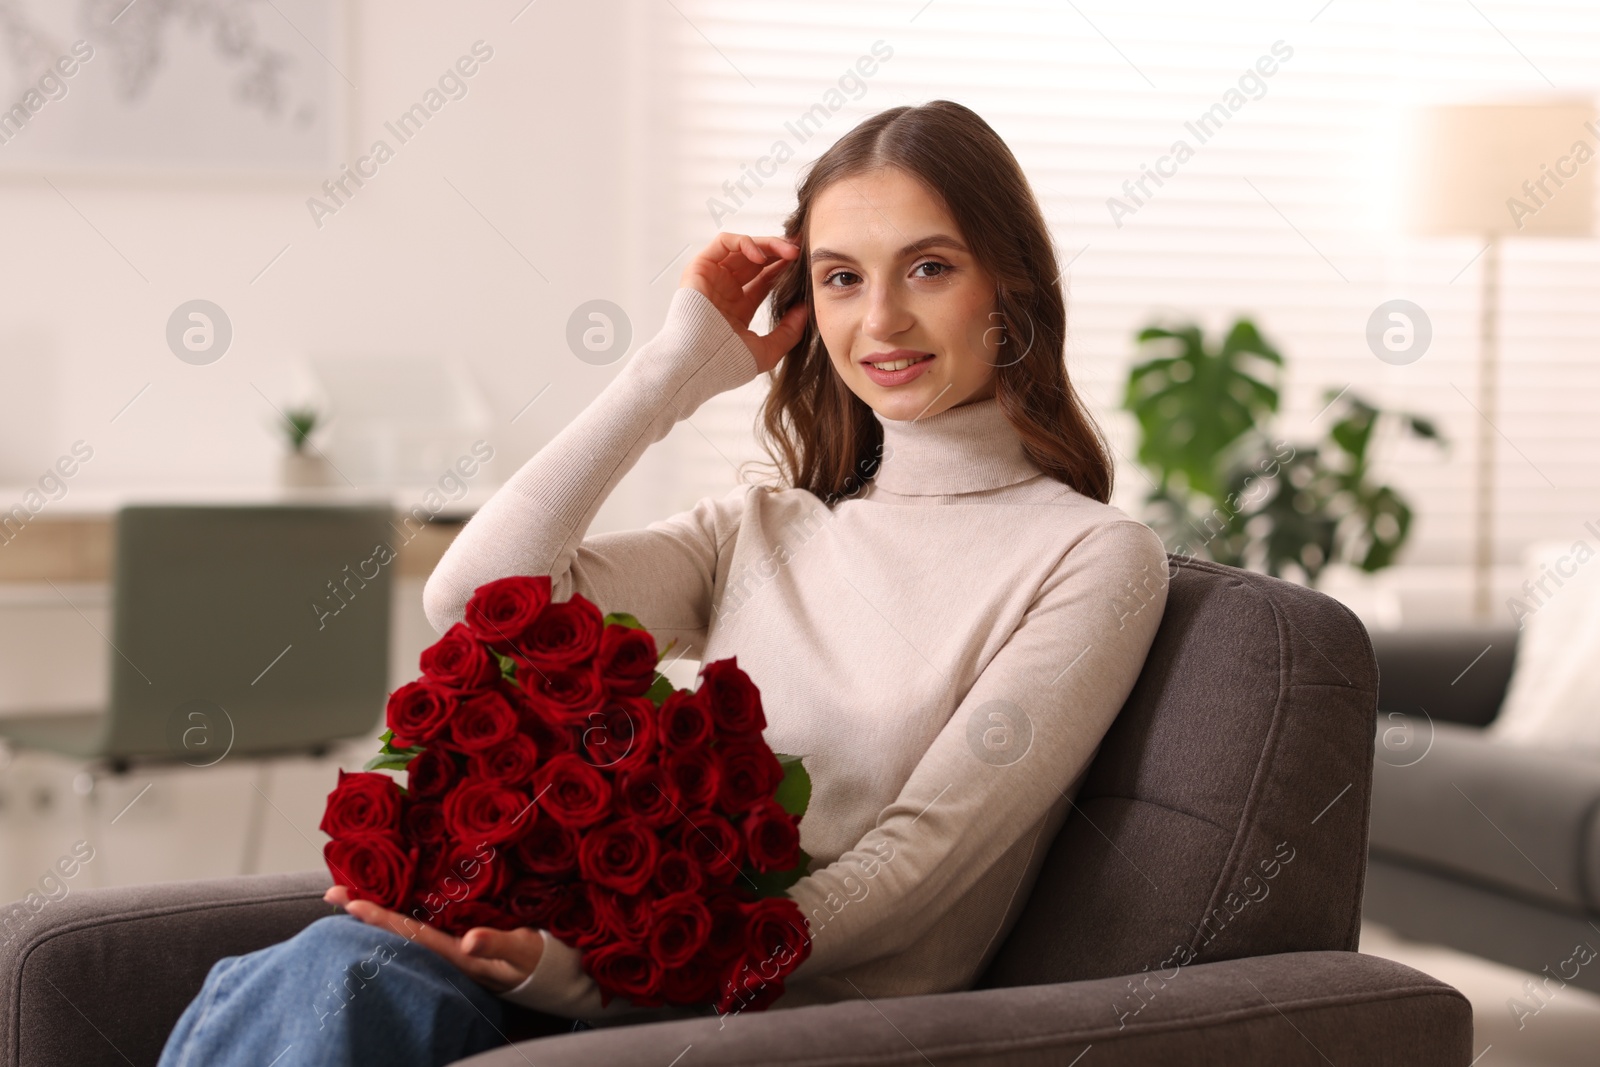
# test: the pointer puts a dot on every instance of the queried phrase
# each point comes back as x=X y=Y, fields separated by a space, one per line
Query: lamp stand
x=1488 y=358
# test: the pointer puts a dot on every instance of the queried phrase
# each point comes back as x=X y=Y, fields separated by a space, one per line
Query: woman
x=937 y=600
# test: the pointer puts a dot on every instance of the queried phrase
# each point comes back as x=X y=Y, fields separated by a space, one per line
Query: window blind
x=1286 y=211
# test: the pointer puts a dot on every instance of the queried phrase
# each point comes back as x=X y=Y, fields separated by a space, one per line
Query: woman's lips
x=898 y=377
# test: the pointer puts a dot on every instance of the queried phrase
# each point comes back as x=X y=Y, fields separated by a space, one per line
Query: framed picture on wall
x=174 y=87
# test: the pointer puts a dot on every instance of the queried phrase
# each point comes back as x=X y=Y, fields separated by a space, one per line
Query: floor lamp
x=1494 y=171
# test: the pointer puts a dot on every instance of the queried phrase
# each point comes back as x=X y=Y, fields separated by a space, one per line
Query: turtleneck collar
x=962 y=449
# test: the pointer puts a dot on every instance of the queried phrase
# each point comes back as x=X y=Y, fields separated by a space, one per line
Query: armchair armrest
x=100 y=976
x=1428 y=669
x=1293 y=1008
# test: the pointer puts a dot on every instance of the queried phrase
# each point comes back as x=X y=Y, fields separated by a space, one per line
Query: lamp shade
x=1524 y=169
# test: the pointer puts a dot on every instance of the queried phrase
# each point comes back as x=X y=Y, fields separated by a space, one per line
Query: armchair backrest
x=1225 y=814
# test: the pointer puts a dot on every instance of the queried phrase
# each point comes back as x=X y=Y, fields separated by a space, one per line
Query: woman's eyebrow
x=935 y=240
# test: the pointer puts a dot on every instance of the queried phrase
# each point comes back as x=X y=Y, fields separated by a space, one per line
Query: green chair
x=238 y=632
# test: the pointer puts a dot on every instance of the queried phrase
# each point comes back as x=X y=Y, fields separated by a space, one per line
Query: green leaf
x=386 y=761
x=1194 y=404
x=659 y=690
x=777 y=883
x=508 y=666
x=622 y=618
x=794 y=792
x=384 y=737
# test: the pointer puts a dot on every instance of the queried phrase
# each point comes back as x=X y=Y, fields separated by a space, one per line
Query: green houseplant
x=1224 y=488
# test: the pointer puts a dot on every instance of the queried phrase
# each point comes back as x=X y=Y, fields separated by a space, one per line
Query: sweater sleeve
x=1056 y=685
x=535 y=523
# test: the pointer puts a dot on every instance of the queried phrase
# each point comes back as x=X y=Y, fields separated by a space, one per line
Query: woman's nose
x=887 y=315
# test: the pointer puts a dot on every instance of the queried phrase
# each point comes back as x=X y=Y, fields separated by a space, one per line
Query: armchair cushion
x=1522 y=820
x=1302 y=1008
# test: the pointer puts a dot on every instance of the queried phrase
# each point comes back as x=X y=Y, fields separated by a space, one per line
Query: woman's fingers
x=520 y=948
x=735 y=271
x=496 y=959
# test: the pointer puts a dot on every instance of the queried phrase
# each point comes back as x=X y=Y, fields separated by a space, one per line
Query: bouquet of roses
x=555 y=778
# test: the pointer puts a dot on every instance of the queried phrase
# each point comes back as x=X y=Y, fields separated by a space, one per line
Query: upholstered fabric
x=1247 y=737
x=1303 y=1009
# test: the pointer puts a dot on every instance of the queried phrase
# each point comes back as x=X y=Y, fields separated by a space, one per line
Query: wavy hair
x=825 y=439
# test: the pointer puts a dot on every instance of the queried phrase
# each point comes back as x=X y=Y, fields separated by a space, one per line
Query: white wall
x=552 y=143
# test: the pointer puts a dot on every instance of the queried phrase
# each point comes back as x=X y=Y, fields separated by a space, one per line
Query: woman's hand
x=498 y=960
x=736 y=272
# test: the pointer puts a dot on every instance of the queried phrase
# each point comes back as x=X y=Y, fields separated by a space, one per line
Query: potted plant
x=303 y=465
x=1225 y=488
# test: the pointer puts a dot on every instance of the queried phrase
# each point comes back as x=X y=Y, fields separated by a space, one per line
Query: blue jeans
x=344 y=992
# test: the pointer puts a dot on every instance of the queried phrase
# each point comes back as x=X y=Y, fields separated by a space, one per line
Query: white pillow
x=1553 y=700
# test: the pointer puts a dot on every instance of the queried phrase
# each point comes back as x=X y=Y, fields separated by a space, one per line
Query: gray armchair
x=1201 y=905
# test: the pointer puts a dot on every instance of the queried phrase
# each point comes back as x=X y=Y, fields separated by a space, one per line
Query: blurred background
x=1331 y=271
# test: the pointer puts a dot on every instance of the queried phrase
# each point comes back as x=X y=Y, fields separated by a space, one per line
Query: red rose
x=432 y=773
x=564 y=635
x=488 y=813
x=482 y=721
x=685 y=721
x=366 y=802
x=501 y=612
x=727 y=938
x=627 y=660
x=771 y=837
x=475 y=872
x=621 y=735
x=746 y=988
x=547 y=728
x=647 y=792
x=531 y=899
x=696 y=775
x=734 y=700
x=713 y=843
x=679 y=926
x=677 y=873
x=511 y=763
x=778 y=936
x=459 y=660
x=624 y=968
x=574 y=793
x=423 y=823
x=566 y=694
x=574 y=918
x=457 y=919
x=548 y=849
x=620 y=855
x=418 y=711
x=374 y=867
x=693 y=982
x=626 y=915
x=750 y=773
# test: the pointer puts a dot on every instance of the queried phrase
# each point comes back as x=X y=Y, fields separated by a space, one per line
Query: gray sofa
x=1490 y=849
x=1201 y=905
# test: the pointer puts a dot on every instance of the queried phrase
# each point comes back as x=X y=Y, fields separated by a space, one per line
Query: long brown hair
x=824 y=438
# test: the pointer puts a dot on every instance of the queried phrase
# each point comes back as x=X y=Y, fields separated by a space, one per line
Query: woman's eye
x=943 y=267
x=837 y=274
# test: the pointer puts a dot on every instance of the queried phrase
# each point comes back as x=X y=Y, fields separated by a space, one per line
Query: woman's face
x=890 y=271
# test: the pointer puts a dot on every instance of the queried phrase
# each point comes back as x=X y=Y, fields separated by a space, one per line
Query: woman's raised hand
x=736 y=272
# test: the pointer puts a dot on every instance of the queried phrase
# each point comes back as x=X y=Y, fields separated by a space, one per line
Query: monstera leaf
x=1194 y=404
x=1224 y=490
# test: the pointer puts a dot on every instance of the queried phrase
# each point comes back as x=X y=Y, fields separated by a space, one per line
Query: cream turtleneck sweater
x=946 y=648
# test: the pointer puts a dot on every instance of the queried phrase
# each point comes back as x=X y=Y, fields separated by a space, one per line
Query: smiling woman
x=932 y=283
